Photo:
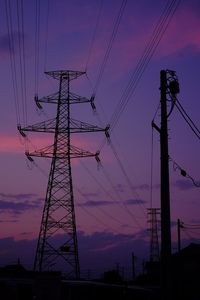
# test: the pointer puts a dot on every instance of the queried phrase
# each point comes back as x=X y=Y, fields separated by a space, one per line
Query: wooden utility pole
x=165 y=194
x=169 y=88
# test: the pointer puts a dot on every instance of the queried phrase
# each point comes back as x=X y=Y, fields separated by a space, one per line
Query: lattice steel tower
x=154 y=244
x=59 y=213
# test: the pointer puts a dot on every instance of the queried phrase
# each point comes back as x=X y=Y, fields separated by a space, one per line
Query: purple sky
x=111 y=215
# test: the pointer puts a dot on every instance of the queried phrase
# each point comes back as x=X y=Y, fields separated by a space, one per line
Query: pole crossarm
x=49 y=126
x=61 y=153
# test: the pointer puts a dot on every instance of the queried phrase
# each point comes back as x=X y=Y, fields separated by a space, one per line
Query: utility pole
x=169 y=87
x=165 y=194
x=57 y=247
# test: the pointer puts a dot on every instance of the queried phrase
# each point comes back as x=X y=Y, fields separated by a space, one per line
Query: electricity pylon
x=57 y=241
x=154 y=244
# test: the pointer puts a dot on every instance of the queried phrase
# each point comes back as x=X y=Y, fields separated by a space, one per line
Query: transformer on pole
x=57 y=246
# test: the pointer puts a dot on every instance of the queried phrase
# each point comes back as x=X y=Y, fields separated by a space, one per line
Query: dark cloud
x=17 y=196
x=17 y=207
x=134 y=201
x=98 y=252
x=19 y=203
x=8 y=221
x=184 y=184
x=94 y=203
x=11 y=250
x=25 y=233
x=195 y=221
x=173 y=223
x=142 y=187
x=122 y=188
x=86 y=195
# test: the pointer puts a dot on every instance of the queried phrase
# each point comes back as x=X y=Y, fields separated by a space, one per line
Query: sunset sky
x=111 y=208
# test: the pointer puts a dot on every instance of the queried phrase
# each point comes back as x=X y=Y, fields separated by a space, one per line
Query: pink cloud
x=16 y=144
x=183 y=32
x=10 y=144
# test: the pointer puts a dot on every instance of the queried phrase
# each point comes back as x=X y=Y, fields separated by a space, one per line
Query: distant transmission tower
x=154 y=244
x=57 y=243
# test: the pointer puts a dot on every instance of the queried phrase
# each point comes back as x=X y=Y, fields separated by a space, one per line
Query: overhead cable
x=46 y=35
x=127 y=177
x=148 y=52
x=110 y=44
x=188 y=120
x=22 y=61
x=121 y=202
x=94 y=34
x=12 y=58
x=37 y=43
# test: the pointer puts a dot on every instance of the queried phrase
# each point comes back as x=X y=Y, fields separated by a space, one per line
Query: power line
x=110 y=44
x=94 y=34
x=12 y=58
x=37 y=43
x=95 y=216
x=88 y=212
x=188 y=120
x=45 y=174
x=105 y=191
x=22 y=61
x=121 y=203
x=46 y=34
x=126 y=175
x=148 y=52
x=184 y=173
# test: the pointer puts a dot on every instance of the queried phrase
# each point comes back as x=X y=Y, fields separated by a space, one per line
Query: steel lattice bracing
x=154 y=244
x=57 y=243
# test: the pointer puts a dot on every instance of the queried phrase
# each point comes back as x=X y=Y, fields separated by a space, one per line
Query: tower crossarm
x=62 y=153
x=65 y=74
x=49 y=126
x=53 y=99
x=77 y=126
x=44 y=126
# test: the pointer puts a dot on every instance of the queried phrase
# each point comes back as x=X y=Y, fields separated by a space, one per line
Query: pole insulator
x=21 y=131
x=97 y=157
x=107 y=131
x=28 y=156
x=92 y=103
x=37 y=102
